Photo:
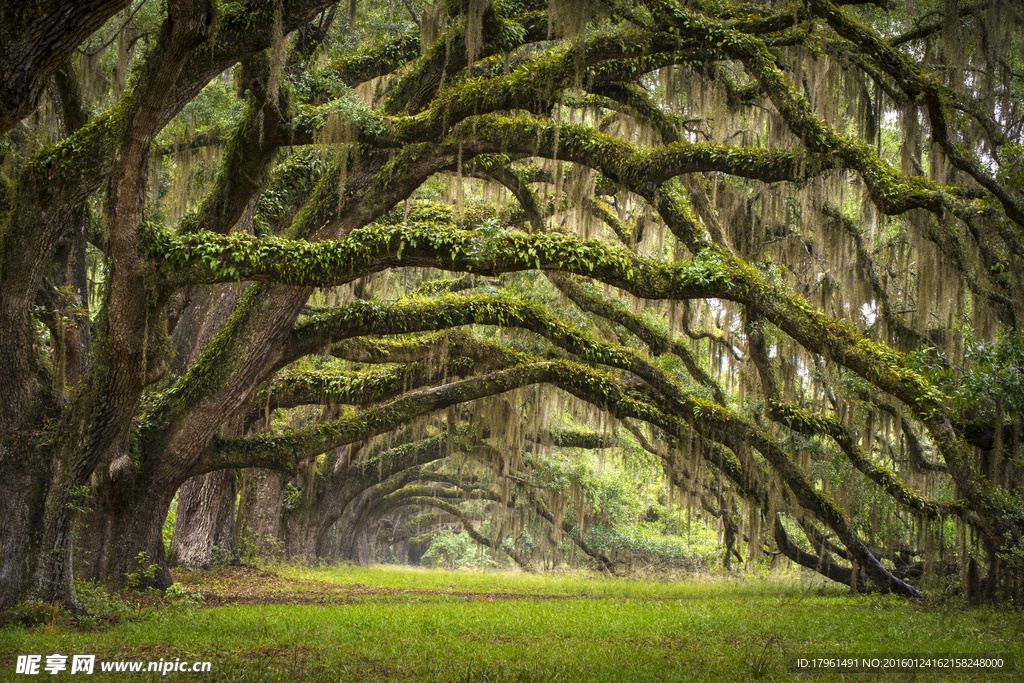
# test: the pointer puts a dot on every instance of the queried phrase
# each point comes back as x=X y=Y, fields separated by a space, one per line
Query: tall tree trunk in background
x=258 y=522
x=205 y=521
x=354 y=543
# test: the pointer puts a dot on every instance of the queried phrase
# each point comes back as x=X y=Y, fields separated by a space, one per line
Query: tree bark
x=38 y=37
x=259 y=514
x=205 y=521
x=21 y=498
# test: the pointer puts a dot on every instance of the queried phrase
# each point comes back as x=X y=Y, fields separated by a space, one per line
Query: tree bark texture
x=204 y=528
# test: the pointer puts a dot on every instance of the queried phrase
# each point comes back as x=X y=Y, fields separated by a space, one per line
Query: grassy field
x=389 y=624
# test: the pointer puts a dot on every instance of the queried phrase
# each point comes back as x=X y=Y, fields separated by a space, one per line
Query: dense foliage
x=343 y=280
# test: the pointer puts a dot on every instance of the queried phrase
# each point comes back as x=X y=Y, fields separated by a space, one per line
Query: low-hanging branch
x=818 y=424
x=707 y=418
x=655 y=340
x=310 y=387
x=454 y=343
x=209 y=258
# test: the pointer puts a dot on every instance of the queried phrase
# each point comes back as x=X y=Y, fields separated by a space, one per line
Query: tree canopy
x=774 y=248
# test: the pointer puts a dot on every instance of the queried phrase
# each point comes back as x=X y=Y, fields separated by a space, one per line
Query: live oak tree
x=778 y=243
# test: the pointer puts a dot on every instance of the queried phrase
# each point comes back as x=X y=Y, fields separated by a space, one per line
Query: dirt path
x=245 y=585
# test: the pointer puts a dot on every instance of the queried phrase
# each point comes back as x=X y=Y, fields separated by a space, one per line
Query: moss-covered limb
x=642 y=106
x=891 y=192
x=286 y=451
x=467 y=525
x=208 y=138
x=757 y=20
x=471 y=486
x=891 y=61
x=656 y=341
x=242 y=30
x=524 y=194
x=914 y=448
x=294 y=181
x=607 y=215
x=883 y=51
x=449 y=55
x=821 y=507
x=997 y=136
x=412 y=494
x=378 y=60
x=209 y=258
x=430 y=347
x=940 y=128
x=76 y=166
x=530 y=86
x=414 y=527
x=498 y=310
x=216 y=258
x=718 y=424
x=916 y=84
x=566 y=528
x=305 y=443
x=686 y=321
x=404 y=463
x=640 y=170
x=206 y=258
x=924 y=29
x=809 y=423
x=822 y=564
x=708 y=419
x=385 y=487
x=841 y=50
x=454 y=285
x=247 y=160
x=978 y=278
x=312 y=387
x=409 y=366
x=374 y=183
x=994 y=239
x=645 y=172
x=563 y=438
x=215 y=366
x=631 y=68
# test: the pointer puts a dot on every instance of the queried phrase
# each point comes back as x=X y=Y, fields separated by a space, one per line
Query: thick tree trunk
x=333 y=502
x=353 y=544
x=204 y=530
x=21 y=498
x=259 y=514
x=300 y=535
x=137 y=558
x=121 y=541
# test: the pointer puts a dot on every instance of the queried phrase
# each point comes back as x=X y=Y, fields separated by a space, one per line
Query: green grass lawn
x=389 y=624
